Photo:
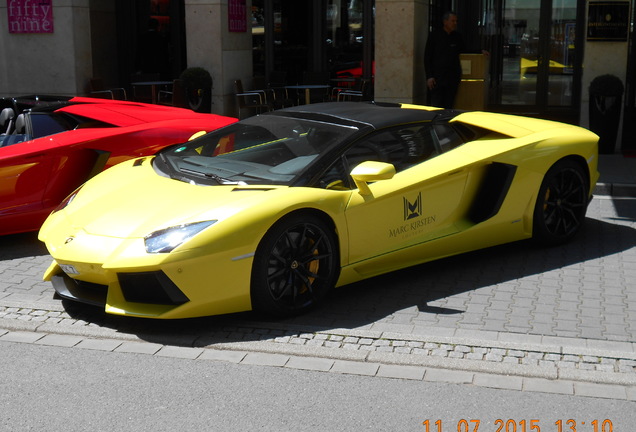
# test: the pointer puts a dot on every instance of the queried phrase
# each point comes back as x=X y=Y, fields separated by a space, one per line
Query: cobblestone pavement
x=566 y=314
x=368 y=341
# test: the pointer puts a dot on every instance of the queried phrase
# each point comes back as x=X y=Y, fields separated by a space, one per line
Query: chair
x=20 y=125
x=259 y=84
x=251 y=100
x=281 y=98
x=343 y=86
x=276 y=96
x=277 y=83
x=175 y=97
x=358 y=93
x=99 y=90
x=7 y=117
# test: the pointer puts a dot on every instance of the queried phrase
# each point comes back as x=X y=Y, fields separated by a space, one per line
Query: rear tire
x=561 y=204
x=296 y=264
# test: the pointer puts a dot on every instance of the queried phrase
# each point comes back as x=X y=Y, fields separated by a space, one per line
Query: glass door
x=518 y=81
x=287 y=37
x=562 y=53
x=333 y=37
x=538 y=71
x=150 y=38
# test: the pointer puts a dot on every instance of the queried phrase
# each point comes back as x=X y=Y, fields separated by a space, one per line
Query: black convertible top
x=376 y=115
x=34 y=103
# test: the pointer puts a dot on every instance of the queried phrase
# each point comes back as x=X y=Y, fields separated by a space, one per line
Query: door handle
x=35 y=156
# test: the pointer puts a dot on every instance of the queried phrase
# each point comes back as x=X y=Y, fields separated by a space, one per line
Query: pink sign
x=237 y=16
x=30 y=16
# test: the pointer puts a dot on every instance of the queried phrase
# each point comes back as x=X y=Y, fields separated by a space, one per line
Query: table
x=308 y=88
x=153 y=87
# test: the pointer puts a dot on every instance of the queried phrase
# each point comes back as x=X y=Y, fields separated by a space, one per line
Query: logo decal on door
x=417 y=222
x=413 y=209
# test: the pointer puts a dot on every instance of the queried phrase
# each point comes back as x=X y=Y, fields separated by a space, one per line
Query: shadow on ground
x=363 y=303
x=23 y=245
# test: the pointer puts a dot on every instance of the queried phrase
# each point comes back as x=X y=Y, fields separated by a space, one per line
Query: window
x=403 y=147
x=260 y=150
x=44 y=124
x=447 y=137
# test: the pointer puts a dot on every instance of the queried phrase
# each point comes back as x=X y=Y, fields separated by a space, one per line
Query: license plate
x=69 y=269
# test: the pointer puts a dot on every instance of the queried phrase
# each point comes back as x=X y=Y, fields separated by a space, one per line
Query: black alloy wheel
x=561 y=205
x=296 y=264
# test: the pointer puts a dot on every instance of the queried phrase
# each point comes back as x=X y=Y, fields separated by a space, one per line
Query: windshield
x=258 y=150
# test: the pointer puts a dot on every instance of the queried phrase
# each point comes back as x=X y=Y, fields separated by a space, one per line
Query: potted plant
x=197 y=83
x=606 y=93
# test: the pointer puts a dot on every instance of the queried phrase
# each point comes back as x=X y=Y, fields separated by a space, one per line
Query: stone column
x=226 y=55
x=401 y=29
x=57 y=62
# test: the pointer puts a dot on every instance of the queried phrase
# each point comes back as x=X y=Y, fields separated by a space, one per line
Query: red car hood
x=124 y=113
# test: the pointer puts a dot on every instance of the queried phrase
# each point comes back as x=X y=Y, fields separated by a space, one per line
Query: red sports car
x=50 y=146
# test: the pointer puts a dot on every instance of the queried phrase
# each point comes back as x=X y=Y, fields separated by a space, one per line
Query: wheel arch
x=320 y=214
x=263 y=303
x=580 y=161
x=565 y=219
x=325 y=217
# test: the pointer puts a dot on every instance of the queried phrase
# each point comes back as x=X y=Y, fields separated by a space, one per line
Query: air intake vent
x=151 y=288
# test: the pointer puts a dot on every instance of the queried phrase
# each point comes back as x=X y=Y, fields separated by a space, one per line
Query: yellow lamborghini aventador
x=271 y=212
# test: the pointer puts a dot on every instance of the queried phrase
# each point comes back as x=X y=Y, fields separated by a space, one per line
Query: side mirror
x=369 y=172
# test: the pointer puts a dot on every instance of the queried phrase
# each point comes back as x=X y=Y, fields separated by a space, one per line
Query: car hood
x=130 y=201
x=126 y=113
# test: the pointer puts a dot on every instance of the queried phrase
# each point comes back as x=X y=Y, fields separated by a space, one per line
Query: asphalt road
x=46 y=388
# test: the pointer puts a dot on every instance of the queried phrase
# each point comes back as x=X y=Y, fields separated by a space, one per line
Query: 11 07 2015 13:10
x=533 y=425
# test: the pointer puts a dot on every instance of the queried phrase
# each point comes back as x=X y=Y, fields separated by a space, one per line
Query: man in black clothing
x=441 y=61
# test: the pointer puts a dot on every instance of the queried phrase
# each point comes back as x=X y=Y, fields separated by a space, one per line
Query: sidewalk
x=618 y=176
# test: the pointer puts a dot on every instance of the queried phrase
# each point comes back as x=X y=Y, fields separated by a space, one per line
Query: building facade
x=542 y=54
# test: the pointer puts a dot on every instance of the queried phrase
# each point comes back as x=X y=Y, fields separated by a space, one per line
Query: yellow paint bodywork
x=212 y=269
x=414 y=216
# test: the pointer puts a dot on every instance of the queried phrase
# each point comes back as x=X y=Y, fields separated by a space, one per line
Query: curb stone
x=612 y=386
x=505 y=358
x=615 y=189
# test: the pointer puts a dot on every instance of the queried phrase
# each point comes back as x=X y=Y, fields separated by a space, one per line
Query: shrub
x=196 y=78
x=606 y=85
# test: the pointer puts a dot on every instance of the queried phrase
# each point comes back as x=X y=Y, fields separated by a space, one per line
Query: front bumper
x=145 y=287
x=185 y=284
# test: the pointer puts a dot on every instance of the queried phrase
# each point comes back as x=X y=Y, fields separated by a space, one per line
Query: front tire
x=561 y=204
x=296 y=264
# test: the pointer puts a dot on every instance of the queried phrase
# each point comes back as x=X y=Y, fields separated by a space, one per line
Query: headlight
x=165 y=240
